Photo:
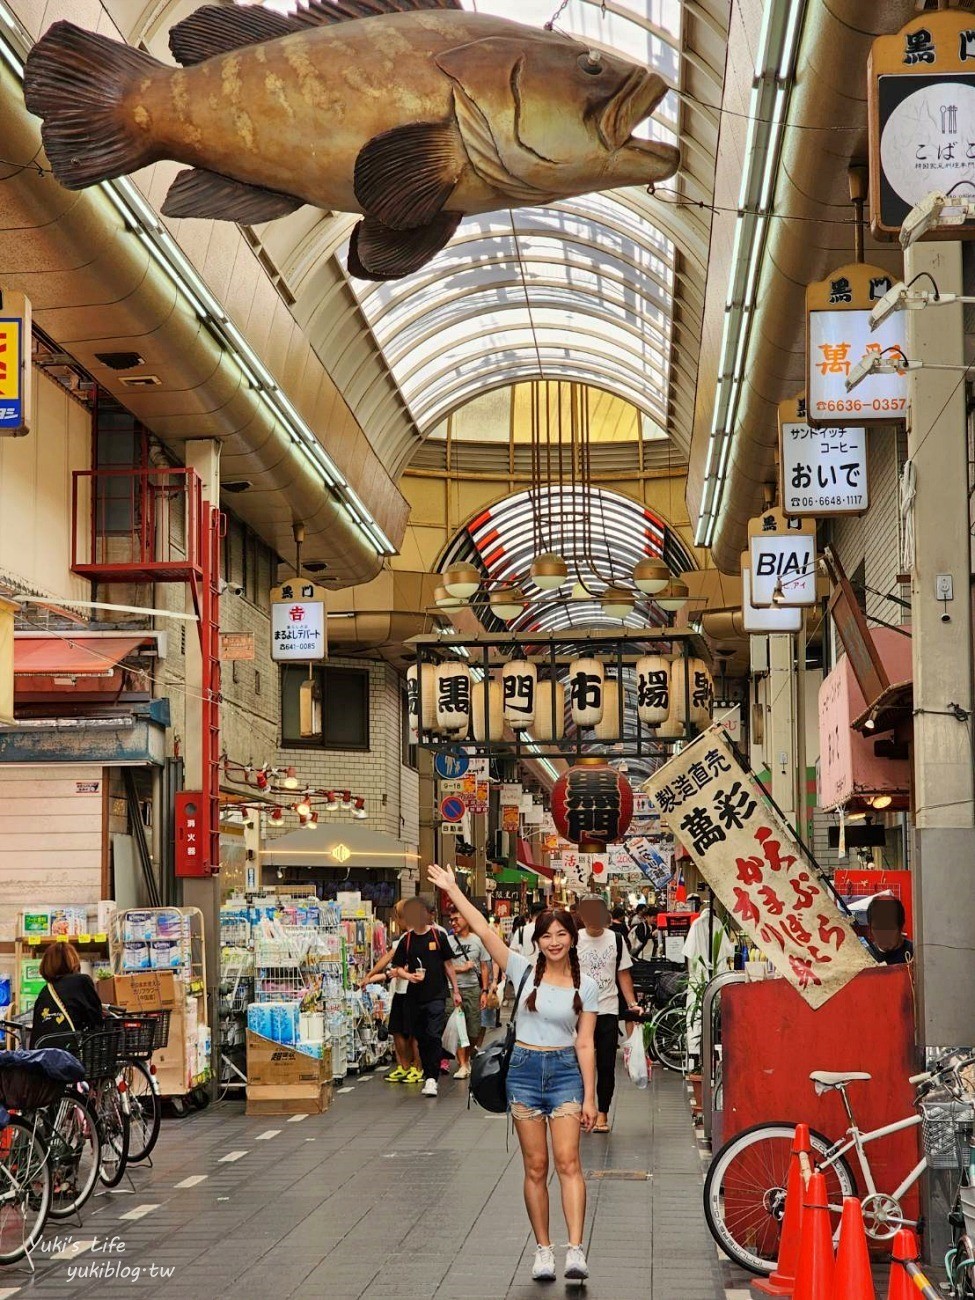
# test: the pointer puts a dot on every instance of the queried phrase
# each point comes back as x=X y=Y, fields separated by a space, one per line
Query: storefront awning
x=72 y=656
x=527 y=863
x=340 y=845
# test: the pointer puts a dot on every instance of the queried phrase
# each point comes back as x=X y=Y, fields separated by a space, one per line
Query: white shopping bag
x=635 y=1059
x=455 y=1033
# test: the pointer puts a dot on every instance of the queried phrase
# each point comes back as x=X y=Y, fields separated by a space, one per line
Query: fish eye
x=591 y=63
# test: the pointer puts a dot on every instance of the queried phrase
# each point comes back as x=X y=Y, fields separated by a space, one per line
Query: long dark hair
x=556 y=916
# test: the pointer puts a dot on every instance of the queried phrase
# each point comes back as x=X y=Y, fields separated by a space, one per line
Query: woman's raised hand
x=441 y=877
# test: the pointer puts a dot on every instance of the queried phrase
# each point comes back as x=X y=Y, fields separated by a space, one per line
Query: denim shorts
x=544 y=1083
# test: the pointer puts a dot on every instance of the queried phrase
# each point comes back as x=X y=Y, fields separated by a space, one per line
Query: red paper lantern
x=592 y=805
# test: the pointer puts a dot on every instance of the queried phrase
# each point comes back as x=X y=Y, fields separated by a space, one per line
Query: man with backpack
x=642 y=935
x=604 y=956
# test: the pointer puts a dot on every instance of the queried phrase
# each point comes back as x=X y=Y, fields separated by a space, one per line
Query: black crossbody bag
x=489 y=1070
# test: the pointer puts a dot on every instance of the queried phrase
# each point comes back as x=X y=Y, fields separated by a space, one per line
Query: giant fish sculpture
x=413 y=113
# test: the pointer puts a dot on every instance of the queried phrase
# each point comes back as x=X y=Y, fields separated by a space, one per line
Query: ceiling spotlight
x=461 y=580
x=310 y=822
x=673 y=597
x=346 y=801
x=276 y=817
x=507 y=602
x=869 y=725
x=444 y=600
x=881 y=801
x=290 y=781
x=548 y=571
x=651 y=575
x=879 y=363
x=359 y=812
x=303 y=806
x=617 y=602
x=331 y=801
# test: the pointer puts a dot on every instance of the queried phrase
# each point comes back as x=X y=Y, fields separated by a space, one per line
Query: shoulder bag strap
x=521 y=988
x=61 y=1007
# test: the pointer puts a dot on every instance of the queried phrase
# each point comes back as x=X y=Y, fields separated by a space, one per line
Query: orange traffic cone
x=852 y=1279
x=814 y=1274
x=783 y=1280
x=905 y=1284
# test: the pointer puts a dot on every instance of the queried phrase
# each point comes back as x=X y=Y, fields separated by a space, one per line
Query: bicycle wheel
x=744 y=1192
x=113 y=1129
x=668 y=1039
x=145 y=1109
x=75 y=1154
x=25 y=1188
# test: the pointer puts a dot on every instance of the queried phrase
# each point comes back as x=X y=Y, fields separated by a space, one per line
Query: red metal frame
x=148 y=550
x=206 y=601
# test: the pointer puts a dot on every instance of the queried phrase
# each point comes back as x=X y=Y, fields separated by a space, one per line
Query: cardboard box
x=288 y=1099
x=144 y=991
x=172 y=1067
x=271 y=1064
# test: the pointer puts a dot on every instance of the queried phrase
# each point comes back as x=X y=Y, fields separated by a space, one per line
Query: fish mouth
x=633 y=103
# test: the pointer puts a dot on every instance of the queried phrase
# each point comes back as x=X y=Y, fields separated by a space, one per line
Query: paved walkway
x=388 y=1195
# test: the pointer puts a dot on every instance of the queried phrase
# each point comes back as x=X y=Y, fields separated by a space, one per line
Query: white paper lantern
x=690 y=682
x=453 y=698
x=653 y=689
x=492 y=726
x=417 y=685
x=519 y=684
x=542 y=730
x=608 y=726
x=586 y=680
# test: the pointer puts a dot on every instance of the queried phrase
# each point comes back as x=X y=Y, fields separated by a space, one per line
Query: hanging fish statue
x=413 y=113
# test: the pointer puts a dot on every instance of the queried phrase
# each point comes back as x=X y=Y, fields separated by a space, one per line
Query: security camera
x=946 y=618
x=230 y=588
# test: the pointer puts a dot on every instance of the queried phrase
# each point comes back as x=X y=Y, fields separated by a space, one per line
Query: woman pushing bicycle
x=552 y=1075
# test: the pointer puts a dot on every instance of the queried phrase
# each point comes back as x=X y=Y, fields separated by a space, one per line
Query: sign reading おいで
x=750 y=858
x=823 y=469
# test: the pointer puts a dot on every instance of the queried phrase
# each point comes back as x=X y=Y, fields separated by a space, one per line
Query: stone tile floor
x=388 y=1195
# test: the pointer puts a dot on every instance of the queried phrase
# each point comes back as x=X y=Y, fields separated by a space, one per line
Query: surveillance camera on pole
x=936 y=211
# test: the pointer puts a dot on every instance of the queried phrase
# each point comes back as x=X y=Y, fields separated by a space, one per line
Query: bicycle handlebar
x=920 y=1078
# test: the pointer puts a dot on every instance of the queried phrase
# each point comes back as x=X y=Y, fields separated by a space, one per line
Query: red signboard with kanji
x=750 y=858
x=191 y=838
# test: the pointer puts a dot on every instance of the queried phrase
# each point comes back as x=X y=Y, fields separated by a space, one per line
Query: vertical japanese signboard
x=298 y=628
x=750 y=858
x=838 y=337
x=921 y=116
x=823 y=469
x=15 y=364
x=191 y=838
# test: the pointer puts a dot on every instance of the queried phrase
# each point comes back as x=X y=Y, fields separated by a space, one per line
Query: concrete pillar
x=780 y=745
x=944 y=811
x=428 y=847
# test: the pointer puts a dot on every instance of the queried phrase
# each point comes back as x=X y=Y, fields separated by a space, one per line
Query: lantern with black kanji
x=488 y=714
x=608 y=727
x=592 y=805
x=652 y=689
x=421 y=684
x=586 y=680
x=453 y=698
x=691 y=692
x=519 y=683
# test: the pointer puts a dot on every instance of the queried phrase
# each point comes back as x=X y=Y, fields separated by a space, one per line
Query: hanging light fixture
x=549 y=571
x=444 y=600
x=881 y=801
x=651 y=575
x=290 y=781
x=580 y=591
x=617 y=602
x=359 y=811
x=303 y=806
x=310 y=822
x=331 y=801
x=673 y=597
x=276 y=817
x=507 y=602
x=346 y=801
x=461 y=580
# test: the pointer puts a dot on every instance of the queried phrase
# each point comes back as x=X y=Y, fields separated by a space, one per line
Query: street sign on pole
x=452 y=808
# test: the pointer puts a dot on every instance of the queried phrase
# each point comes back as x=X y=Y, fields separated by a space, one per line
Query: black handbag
x=489 y=1071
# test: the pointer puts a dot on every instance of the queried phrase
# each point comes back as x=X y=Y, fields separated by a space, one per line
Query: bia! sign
x=782 y=559
x=298 y=631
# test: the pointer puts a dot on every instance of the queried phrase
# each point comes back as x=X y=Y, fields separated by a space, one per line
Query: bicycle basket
x=23 y=1089
x=99 y=1052
x=160 y=1020
x=138 y=1037
x=946 y=1128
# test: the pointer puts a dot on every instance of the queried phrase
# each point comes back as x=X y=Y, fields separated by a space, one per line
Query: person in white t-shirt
x=604 y=957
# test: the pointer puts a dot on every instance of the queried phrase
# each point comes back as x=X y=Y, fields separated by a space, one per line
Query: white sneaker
x=429 y=1088
x=463 y=1073
x=543 y=1270
x=576 y=1268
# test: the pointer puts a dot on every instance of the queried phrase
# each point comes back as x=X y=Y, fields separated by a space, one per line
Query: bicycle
x=99 y=1051
x=667 y=1036
x=143 y=1034
x=744 y=1193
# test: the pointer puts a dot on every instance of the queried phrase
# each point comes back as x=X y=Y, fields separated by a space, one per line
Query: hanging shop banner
x=823 y=469
x=782 y=555
x=774 y=618
x=575 y=878
x=15 y=364
x=298 y=631
x=921 y=116
x=511 y=818
x=750 y=858
x=510 y=793
x=838 y=337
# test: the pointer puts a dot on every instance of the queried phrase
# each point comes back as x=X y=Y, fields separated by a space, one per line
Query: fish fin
x=76 y=81
x=199 y=193
x=378 y=253
x=219 y=29
x=485 y=155
x=405 y=176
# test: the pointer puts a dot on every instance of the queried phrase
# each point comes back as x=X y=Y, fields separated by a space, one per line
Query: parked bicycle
x=744 y=1193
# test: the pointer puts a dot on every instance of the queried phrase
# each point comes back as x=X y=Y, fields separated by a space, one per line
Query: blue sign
x=449 y=766
x=452 y=809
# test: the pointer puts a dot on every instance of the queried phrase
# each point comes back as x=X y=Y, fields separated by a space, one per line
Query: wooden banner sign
x=921 y=118
x=822 y=470
x=750 y=858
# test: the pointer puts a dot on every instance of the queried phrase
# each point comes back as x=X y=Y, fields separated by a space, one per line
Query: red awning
x=527 y=863
x=72 y=655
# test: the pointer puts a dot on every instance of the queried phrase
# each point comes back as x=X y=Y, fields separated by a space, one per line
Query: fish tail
x=76 y=81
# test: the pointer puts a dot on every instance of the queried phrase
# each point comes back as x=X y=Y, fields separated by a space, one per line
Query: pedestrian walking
x=642 y=934
x=472 y=966
x=552 y=1075
x=424 y=960
x=605 y=958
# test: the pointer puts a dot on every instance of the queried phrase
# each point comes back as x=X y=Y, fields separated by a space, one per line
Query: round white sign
x=928 y=142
